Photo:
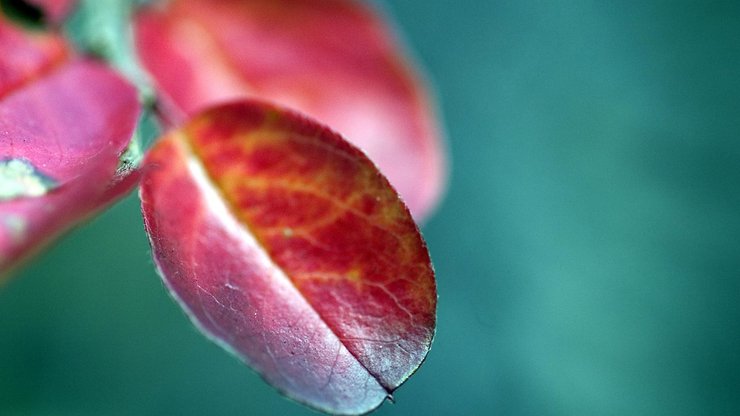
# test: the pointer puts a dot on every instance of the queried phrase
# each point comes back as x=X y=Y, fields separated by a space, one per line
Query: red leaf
x=27 y=55
x=63 y=125
x=287 y=247
x=334 y=60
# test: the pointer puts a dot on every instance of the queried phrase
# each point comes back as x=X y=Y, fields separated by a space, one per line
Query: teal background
x=587 y=253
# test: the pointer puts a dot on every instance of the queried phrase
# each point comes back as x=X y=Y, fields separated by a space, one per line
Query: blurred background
x=587 y=253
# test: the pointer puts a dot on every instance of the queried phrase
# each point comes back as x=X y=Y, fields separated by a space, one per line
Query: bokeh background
x=588 y=250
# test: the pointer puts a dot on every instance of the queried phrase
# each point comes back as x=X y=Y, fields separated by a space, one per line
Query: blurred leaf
x=26 y=55
x=334 y=60
x=64 y=122
x=287 y=247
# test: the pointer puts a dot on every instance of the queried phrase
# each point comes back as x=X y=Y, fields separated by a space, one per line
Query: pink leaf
x=64 y=122
x=27 y=55
x=286 y=246
x=334 y=60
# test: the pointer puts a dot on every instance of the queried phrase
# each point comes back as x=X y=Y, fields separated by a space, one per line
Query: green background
x=587 y=253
